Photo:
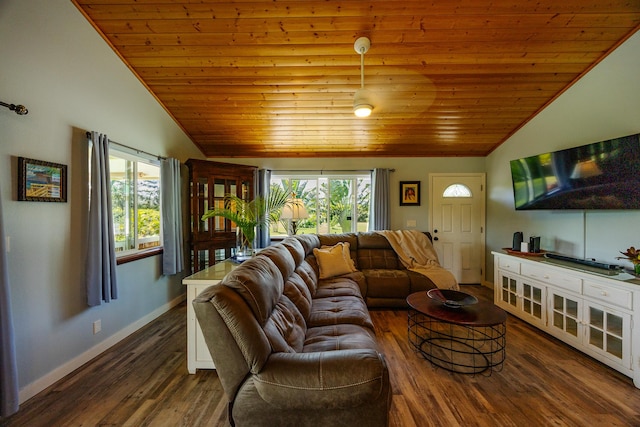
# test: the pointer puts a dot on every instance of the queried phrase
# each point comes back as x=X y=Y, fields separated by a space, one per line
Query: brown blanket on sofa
x=417 y=254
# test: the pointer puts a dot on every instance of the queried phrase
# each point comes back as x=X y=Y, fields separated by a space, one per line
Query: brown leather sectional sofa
x=294 y=349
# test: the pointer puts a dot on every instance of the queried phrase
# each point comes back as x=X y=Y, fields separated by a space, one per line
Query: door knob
x=435 y=231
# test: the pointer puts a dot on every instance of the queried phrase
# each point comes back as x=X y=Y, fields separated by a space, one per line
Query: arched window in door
x=456 y=190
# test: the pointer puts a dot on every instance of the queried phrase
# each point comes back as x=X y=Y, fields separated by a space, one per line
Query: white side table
x=198 y=356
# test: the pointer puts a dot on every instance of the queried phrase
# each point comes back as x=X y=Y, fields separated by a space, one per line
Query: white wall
x=604 y=104
x=56 y=64
x=406 y=169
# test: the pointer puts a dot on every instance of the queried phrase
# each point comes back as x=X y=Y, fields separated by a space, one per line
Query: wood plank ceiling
x=276 y=78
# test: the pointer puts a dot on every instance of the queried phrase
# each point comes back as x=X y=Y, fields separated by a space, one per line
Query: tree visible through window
x=135 y=194
x=335 y=203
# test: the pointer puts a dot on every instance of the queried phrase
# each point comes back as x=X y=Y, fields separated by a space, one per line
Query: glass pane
x=322 y=211
x=202 y=194
x=537 y=311
x=572 y=308
x=513 y=300
x=334 y=204
x=614 y=346
x=558 y=320
x=512 y=285
x=122 y=203
x=148 y=186
x=202 y=259
x=341 y=205
x=218 y=203
x=505 y=295
x=218 y=188
x=596 y=337
x=456 y=190
x=245 y=190
x=219 y=255
x=537 y=295
x=558 y=303
x=527 y=306
x=572 y=326
x=614 y=324
x=505 y=282
x=596 y=317
x=363 y=197
x=527 y=291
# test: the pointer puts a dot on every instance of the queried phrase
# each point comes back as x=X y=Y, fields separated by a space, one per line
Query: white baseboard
x=30 y=390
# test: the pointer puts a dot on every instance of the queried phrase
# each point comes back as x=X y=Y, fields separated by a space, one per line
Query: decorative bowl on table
x=450 y=298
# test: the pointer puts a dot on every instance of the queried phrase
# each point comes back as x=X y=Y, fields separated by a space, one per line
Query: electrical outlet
x=97 y=326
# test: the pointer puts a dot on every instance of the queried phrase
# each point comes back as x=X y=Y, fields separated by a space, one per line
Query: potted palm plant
x=249 y=214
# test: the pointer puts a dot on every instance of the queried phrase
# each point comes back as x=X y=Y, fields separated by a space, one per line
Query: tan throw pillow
x=334 y=260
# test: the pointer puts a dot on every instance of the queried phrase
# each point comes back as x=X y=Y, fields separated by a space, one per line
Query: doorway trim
x=483 y=219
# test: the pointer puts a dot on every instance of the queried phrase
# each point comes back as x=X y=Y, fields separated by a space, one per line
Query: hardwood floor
x=143 y=381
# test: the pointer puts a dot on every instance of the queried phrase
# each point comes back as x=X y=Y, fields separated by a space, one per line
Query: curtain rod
x=132 y=149
x=322 y=171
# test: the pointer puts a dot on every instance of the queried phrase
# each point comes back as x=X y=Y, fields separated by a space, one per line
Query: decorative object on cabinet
x=214 y=239
x=520 y=253
x=409 y=193
x=247 y=215
x=597 y=313
x=632 y=254
x=40 y=181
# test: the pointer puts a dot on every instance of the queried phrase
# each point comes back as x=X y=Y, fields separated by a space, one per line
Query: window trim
x=141 y=254
x=329 y=175
x=138 y=157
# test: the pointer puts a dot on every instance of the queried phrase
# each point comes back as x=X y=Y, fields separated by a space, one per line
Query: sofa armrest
x=322 y=380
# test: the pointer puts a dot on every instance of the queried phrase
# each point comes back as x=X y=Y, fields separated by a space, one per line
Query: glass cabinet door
x=608 y=332
x=200 y=205
x=565 y=314
x=533 y=300
x=509 y=292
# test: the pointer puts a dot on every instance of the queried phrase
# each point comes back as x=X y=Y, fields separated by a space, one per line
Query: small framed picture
x=40 y=181
x=409 y=193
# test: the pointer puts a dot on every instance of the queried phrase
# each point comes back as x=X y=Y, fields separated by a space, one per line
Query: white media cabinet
x=592 y=312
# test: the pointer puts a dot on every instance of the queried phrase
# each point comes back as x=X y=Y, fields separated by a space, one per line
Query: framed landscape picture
x=40 y=181
x=409 y=193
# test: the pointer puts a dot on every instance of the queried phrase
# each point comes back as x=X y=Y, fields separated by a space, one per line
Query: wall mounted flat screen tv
x=602 y=175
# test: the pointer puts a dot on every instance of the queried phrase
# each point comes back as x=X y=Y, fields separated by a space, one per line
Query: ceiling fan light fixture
x=362 y=106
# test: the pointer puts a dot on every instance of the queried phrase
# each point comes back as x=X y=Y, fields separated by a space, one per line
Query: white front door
x=457 y=220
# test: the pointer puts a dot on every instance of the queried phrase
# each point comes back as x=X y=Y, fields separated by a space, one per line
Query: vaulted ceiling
x=276 y=78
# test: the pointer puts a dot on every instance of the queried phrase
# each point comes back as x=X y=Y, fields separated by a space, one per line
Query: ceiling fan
x=362 y=104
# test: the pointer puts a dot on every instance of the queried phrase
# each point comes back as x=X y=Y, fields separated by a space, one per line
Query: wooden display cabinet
x=214 y=240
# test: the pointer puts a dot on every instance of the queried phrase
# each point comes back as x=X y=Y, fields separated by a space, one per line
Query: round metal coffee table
x=467 y=340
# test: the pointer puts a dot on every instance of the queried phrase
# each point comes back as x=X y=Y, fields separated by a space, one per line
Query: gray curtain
x=101 y=255
x=263 y=181
x=9 y=398
x=172 y=240
x=379 y=218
